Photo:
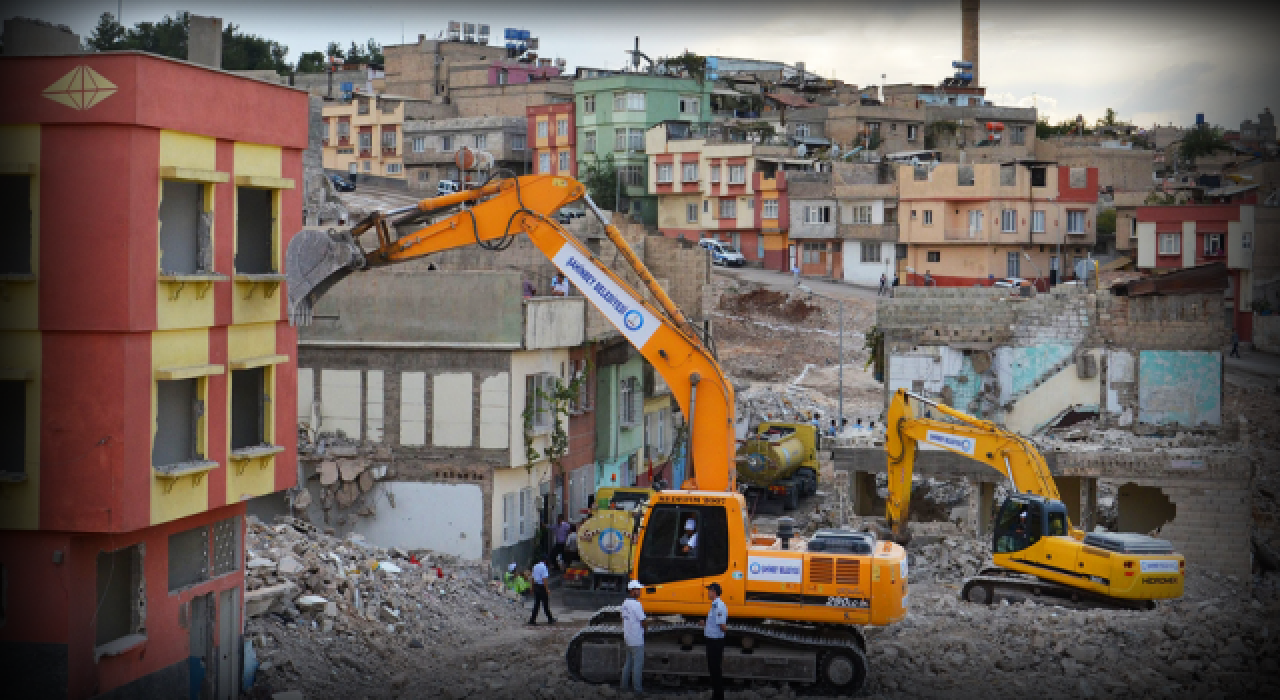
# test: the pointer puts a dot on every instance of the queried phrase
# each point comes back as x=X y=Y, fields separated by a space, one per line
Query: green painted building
x=619 y=417
x=614 y=112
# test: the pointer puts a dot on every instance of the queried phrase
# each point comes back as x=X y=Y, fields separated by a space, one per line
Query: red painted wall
x=1088 y=193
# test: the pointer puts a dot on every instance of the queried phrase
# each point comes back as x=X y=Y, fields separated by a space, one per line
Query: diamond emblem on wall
x=80 y=89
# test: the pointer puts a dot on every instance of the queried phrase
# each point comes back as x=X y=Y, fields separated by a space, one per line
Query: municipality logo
x=80 y=89
x=633 y=320
x=754 y=568
x=611 y=541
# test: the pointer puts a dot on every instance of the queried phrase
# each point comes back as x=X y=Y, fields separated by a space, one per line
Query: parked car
x=448 y=187
x=1009 y=282
x=723 y=253
x=564 y=217
x=342 y=185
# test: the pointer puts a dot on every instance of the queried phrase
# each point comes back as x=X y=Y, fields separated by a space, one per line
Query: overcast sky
x=1153 y=62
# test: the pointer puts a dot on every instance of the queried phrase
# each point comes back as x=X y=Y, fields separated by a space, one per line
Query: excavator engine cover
x=316 y=260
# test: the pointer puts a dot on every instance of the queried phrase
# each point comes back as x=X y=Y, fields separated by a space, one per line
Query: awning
x=812 y=140
x=726 y=92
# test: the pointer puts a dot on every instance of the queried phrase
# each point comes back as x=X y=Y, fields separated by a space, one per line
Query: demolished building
x=1121 y=384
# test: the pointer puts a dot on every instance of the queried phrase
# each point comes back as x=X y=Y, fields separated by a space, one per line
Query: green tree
x=108 y=35
x=168 y=37
x=1203 y=141
x=1107 y=221
x=249 y=52
x=1109 y=119
x=311 y=62
x=601 y=179
x=374 y=50
x=333 y=50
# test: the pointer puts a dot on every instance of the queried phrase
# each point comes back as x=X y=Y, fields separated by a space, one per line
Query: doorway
x=200 y=656
x=228 y=687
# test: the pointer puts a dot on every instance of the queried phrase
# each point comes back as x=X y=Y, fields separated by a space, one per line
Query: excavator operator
x=689 y=540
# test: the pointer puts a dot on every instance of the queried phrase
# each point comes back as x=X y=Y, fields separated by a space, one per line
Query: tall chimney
x=969 y=35
x=204 y=41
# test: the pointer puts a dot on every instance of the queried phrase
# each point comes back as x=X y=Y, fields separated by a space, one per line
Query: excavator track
x=826 y=661
x=994 y=584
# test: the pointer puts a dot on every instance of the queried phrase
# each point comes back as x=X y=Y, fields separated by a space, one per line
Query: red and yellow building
x=552 y=132
x=146 y=361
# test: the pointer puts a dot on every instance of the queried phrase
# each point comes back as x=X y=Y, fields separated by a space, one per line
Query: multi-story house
x=844 y=223
x=709 y=187
x=1171 y=238
x=880 y=128
x=554 y=136
x=619 y=414
x=460 y=401
x=431 y=149
x=984 y=133
x=971 y=224
x=364 y=137
x=1259 y=136
x=613 y=113
x=145 y=352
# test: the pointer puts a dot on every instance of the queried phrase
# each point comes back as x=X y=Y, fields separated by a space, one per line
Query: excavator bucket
x=316 y=260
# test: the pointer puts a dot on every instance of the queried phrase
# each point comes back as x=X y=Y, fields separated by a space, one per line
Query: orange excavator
x=795 y=608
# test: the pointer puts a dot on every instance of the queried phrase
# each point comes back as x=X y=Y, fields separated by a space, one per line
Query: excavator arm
x=914 y=419
x=490 y=216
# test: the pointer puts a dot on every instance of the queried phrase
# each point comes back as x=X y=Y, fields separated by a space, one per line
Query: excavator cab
x=1024 y=519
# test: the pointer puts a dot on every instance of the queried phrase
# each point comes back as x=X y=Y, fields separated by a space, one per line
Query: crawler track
x=994 y=584
x=814 y=661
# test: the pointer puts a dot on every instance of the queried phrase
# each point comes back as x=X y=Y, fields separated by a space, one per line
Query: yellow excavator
x=1037 y=553
x=794 y=613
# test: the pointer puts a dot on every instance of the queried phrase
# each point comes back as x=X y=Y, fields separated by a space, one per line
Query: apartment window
x=975 y=221
x=178 y=422
x=564 y=161
x=1038 y=177
x=715 y=174
x=813 y=253
x=188 y=558
x=635 y=139
x=964 y=175
x=619 y=139
x=628 y=102
x=737 y=174
x=589 y=141
x=860 y=214
x=589 y=104
x=344 y=131
x=760 y=246
x=689 y=172
x=751 y=203
x=1018 y=135
x=446 y=143
x=664 y=173
x=15 y=226
x=912 y=131
x=121 y=595
x=366 y=140
x=13 y=428
x=527 y=513
x=802 y=131
x=770 y=209
x=900 y=251
x=518 y=142
x=503 y=77
x=544 y=163
x=186 y=244
x=1009 y=221
x=1008 y=176
x=1133 y=228
x=1170 y=243
x=562 y=127
x=632 y=175
x=921 y=173
x=1012 y=265
x=817 y=215
x=394 y=169
x=706 y=206
x=542 y=129
x=690 y=104
x=1075 y=221
x=630 y=402
x=388 y=140
x=933 y=256
x=1079 y=178
x=508 y=518
x=368 y=166
x=1246 y=237
x=691 y=213
x=870 y=252
x=250 y=401
x=728 y=208
x=362 y=107
x=539 y=389
x=419 y=144
x=424 y=175
x=482 y=140
x=928 y=217
x=255 y=227
x=346 y=151
x=581 y=402
x=1212 y=244
x=1037 y=222
x=890 y=214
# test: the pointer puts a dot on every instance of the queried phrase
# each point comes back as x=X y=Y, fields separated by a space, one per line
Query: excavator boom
x=490 y=216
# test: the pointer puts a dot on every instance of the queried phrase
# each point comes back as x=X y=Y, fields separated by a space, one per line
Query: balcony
x=964 y=234
x=887 y=233
x=554 y=322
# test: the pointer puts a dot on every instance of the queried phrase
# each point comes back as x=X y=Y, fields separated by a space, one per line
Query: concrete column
x=981 y=494
x=1069 y=491
x=863 y=494
x=204 y=41
x=1088 y=503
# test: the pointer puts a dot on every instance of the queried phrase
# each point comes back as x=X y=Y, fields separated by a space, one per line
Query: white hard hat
x=511 y=566
x=634 y=585
x=690 y=525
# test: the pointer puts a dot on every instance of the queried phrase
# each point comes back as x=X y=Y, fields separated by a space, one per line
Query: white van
x=448 y=187
x=723 y=253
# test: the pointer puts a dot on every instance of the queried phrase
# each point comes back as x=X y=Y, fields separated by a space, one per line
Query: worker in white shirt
x=559 y=285
x=717 y=623
x=689 y=540
x=634 y=623
x=540 y=594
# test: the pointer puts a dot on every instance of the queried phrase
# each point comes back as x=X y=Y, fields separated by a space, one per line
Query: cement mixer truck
x=778 y=463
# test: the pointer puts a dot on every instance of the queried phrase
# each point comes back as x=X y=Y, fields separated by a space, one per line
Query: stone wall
x=1266 y=333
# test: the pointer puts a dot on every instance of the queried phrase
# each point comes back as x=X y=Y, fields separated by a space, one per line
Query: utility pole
x=840 y=360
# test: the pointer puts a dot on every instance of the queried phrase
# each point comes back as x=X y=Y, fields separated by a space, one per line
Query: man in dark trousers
x=717 y=623
x=1235 y=344
x=561 y=532
x=540 y=593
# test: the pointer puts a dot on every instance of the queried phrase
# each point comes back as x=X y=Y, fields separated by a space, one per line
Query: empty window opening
x=15 y=225
x=1079 y=178
x=1037 y=177
x=178 y=413
x=539 y=396
x=188 y=558
x=1008 y=176
x=254 y=226
x=249 y=401
x=964 y=175
x=1143 y=509
x=185 y=244
x=121 y=608
x=13 y=427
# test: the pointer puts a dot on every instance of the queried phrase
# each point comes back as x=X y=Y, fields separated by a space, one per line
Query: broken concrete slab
x=258 y=602
x=311 y=603
x=351 y=469
x=328 y=473
x=289 y=565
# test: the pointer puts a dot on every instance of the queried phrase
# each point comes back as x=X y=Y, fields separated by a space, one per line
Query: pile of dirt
x=769 y=303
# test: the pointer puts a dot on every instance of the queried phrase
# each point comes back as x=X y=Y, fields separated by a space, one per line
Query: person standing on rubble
x=713 y=632
x=634 y=624
x=541 y=596
x=884 y=285
x=561 y=533
x=1235 y=344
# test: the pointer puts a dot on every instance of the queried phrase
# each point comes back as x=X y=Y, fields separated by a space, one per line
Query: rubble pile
x=937 y=558
x=321 y=608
